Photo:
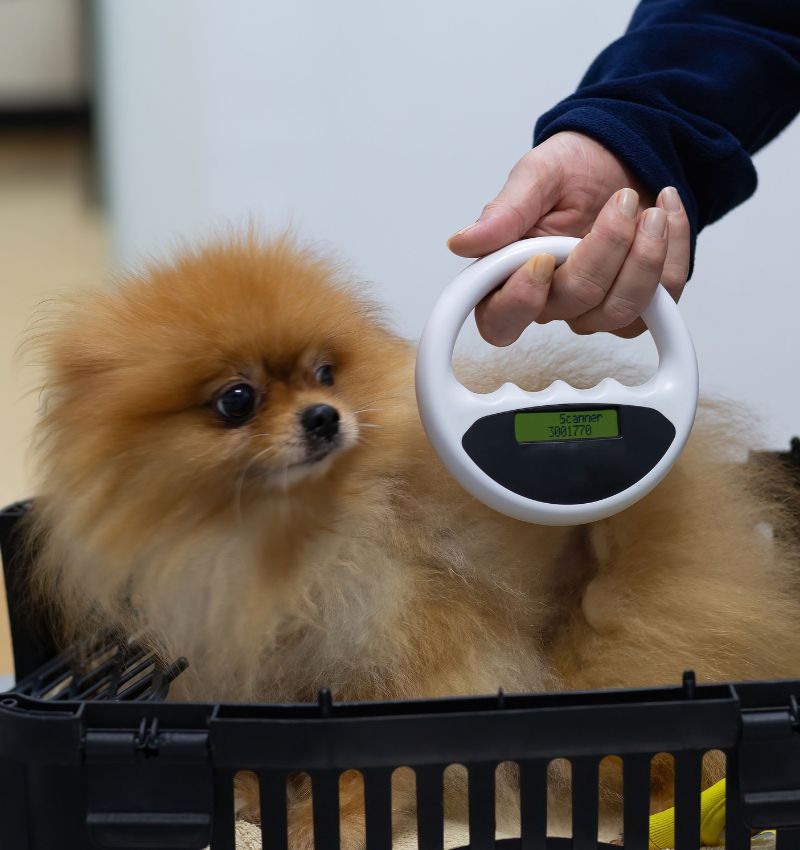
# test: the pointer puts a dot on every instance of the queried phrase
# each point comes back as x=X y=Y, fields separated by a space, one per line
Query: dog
x=232 y=467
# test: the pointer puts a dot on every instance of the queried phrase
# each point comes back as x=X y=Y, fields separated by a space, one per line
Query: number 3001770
x=569 y=430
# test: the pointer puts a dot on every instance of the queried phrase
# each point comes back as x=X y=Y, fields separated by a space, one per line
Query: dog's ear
x=73 y=339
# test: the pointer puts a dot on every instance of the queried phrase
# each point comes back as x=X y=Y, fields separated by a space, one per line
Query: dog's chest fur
x=369 y=614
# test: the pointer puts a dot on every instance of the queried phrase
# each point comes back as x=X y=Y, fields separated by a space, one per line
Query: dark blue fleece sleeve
x=691 y=90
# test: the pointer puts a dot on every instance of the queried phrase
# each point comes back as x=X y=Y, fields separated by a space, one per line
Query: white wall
x=378 y=129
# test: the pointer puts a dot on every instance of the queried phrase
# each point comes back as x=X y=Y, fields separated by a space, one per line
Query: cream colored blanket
x=248 y=837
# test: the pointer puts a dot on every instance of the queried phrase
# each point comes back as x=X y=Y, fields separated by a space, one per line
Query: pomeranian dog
x=231 y=466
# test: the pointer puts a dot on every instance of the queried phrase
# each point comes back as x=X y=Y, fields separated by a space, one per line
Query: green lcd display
x=552 y=425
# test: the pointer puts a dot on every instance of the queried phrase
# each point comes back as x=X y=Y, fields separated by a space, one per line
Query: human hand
x=571 y=185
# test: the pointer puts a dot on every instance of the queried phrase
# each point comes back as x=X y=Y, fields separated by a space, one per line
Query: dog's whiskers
x=243 y=475
x=390 y=397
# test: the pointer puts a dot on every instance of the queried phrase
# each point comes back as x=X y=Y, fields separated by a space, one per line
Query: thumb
x=529 y=193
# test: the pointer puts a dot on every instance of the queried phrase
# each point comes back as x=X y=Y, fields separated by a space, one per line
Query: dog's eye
x=325 y=375
x=236 y=404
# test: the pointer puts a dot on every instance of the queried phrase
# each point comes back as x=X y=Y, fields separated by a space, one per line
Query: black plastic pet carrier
x=92 y=757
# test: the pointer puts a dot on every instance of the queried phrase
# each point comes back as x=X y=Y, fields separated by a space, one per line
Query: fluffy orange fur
x=368 y=571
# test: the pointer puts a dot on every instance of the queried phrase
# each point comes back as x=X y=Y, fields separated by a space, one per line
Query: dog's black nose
x=321 y=421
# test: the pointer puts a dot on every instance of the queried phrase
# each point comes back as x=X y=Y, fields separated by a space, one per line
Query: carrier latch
x=149 y=787
x=769 y=766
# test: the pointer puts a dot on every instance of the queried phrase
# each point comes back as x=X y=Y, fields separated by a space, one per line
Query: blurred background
x=376 y=130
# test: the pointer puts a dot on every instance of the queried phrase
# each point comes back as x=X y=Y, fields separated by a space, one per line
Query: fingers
x=640 y=289
x=607 y=281
x=583 y=281
x=530 y=191
x=635 y=283
x=504 y=315
x=676 y=265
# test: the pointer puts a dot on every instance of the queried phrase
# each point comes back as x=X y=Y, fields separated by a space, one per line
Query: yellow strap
x=712 y=815
x=712 y=821
x=662 y=830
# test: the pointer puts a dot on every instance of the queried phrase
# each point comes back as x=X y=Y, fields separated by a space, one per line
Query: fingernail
x=628 y=202
x=670 y=199
x=462 y=231
x=655 y=222
x=541 y=267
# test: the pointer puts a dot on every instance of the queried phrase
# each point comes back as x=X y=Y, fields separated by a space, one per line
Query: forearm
x=688 y=94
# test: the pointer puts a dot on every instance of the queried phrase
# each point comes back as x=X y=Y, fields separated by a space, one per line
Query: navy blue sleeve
x=691 y=90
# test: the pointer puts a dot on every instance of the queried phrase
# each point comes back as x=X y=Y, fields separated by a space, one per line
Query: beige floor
x=51 y=238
